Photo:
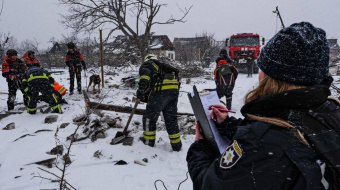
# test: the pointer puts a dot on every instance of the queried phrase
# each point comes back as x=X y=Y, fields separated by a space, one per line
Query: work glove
x=140 y=94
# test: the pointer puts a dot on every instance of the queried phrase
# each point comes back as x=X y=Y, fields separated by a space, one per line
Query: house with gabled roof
x=161 y=45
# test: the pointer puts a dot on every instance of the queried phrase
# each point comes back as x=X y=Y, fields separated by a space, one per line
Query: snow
x=86 y=171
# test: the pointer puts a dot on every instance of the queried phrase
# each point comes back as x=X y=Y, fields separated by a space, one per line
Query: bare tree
x=209 y=47
x=26 y=45
x=7 y=41
x=88 y=16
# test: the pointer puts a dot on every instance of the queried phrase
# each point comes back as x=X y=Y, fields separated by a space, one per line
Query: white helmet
x=150 y=57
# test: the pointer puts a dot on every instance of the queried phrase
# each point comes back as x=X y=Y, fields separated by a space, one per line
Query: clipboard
x=207 y=125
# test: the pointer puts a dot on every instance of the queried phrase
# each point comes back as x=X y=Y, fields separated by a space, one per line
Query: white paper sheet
x=207 y=100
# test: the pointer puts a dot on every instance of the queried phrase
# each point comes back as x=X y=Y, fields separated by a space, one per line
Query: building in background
x=161 y=46
x=334 y=57
x=196 y=49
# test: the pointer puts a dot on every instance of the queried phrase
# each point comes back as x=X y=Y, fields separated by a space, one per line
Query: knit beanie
x=298 y=54
x=223 y=51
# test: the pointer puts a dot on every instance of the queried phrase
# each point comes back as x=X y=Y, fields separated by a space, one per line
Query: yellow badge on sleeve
x=231 y=156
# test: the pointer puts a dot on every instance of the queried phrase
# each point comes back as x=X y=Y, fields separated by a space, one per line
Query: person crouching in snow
x=58 y=92
x=36 y=80
x=286 y=116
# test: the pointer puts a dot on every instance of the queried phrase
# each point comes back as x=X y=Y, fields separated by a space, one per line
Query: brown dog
x=95 y=79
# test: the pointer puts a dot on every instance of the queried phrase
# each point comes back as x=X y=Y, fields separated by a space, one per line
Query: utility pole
x=101 y=55
x=279 y=15
x=199 y=55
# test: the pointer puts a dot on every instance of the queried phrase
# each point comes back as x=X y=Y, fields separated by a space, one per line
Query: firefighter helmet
x=30 y=52
x=150 y=57
x=11 y=52
x=71 y=45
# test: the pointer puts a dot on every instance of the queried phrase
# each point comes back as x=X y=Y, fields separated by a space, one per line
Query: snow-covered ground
x=87 y=172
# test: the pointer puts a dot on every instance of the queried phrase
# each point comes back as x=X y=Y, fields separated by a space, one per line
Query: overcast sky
x=39 y=19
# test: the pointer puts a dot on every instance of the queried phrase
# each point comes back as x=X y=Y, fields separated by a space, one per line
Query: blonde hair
x=268 y=86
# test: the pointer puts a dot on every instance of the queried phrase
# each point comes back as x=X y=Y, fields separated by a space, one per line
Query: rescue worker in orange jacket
x=30 y=60
x=13 y=70
x=59 y=91
x=225 y=77
x=75 y=61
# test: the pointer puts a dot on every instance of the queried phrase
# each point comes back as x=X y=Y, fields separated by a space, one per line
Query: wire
x=160 y=181
x=183 y=180
x=179 y=185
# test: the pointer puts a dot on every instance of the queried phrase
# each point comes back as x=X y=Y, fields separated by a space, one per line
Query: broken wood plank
x=47 y=162
x=23 y=137
x=43 y=130
x=53 y=72
x=122 y=109
x=3 y=115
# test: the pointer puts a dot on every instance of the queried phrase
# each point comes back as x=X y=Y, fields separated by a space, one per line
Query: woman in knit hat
x=289 y=137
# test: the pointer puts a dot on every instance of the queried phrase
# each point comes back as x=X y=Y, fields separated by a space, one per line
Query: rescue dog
x=95 y=79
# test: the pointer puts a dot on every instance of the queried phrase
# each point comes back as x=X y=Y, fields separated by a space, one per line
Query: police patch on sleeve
x=231 y=156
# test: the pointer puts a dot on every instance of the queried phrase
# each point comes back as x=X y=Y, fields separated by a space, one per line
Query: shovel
x=120 y=136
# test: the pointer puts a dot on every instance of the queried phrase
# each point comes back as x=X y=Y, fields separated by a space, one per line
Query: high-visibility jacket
x=74 y=60
x=30 y=62
x=12 y=67
x=150 y=74
x=36 y=73
x=59 y=88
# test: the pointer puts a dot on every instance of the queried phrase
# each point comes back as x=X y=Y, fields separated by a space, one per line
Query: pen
x=222 y=109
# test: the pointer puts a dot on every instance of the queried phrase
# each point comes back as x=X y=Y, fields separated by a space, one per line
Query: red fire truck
x=239 y=45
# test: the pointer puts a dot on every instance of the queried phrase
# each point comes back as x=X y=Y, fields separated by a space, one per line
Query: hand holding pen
x=219 y=113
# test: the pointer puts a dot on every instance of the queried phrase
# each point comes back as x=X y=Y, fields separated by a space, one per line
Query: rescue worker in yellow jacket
x=159 y=87
x=36 y=80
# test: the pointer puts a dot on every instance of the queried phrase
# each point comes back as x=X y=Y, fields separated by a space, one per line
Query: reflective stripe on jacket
x=61 y=89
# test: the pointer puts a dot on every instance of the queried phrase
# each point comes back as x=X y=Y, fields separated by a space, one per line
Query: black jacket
x=225 y=57
x=225 y=83
x=74 y=59
x=272 y=156
x=250 y=60
x=33 y=73
x=152 y=75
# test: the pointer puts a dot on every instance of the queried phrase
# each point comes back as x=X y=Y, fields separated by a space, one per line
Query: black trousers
x=250 y=70
x=44 y=87
x=226 y=91
x=76 y=72
x=13 y=86
x=166 y=102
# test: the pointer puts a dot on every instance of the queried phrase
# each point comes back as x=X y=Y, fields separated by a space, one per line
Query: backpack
x=325 y=140
x=223 y=68
x=165 y=71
